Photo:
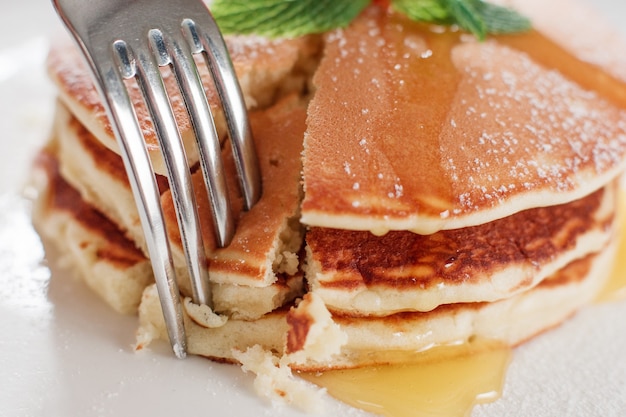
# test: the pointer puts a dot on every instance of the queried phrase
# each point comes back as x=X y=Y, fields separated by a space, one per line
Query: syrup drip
x=442 y=381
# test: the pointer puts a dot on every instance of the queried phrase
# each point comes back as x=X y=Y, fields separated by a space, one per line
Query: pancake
x=98 y=174
x=259 y=271
x=390 y=339
x=266 y=69
x=88 y=242
x=438 y=131
x=361 y=274
x=266 y=245
x=435 y=189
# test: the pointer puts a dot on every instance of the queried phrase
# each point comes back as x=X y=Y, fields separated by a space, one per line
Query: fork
x=132 y=39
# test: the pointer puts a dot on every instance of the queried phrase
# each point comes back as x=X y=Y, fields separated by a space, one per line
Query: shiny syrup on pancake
x=444 y=380
x=408 y=93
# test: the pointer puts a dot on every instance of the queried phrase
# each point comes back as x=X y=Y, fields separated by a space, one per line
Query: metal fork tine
x=98 y=30
x=141 y=177
x=156 y=98
x=207 y=140
x=206 y=37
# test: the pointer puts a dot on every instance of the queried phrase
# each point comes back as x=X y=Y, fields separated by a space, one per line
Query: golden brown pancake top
x=421 y=128
x=256 y=60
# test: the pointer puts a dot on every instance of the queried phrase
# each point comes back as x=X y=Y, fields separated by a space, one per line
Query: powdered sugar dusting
x=250 y=47
x=435 y=131
x=527 y=128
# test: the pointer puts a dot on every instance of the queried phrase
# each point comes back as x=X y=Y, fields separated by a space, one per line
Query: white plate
x=63 y=353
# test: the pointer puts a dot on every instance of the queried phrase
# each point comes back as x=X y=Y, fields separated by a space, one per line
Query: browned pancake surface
x=452 y=256
x=118 y=250
x=106 y=160
x=278 y=134
x=573 y=273
x=362 y=274
x=410 y=129
x=262 y=66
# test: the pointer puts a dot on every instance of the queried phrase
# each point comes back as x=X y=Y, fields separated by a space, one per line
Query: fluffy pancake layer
x=264 y=250
x=268 y=236
x=266 y=70
x=359 y=273
x=432 y=130
x=391 y=339
x=87 y=241
x=500 y=155
x=259 y=271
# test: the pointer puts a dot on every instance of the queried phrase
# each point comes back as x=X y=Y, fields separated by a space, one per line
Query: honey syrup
x=442 y=381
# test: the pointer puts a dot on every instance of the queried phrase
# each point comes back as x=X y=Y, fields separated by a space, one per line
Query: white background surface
x=63 y=353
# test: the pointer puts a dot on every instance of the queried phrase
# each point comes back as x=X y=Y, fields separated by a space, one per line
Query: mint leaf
x=475 y=16
x=500 y=19
x=465 y=13
x=285 y=18
x=433 y=11
x=292 y=18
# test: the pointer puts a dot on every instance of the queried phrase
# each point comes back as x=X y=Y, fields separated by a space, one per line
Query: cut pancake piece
x=111 y=264
x=259 y=271
x=266 y=69
x=391 y=339
x=361 y=274
x=88 y=242
x=265 y=248
x=439 y=131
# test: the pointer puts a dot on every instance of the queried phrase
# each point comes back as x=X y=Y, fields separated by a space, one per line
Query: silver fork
x=124 y=39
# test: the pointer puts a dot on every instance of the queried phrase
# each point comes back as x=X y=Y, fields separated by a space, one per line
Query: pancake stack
x=421 y=188
x=83 y=155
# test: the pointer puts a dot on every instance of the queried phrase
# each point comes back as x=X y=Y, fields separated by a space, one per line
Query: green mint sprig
x=291 y=18
x=475 y=16
x=285 y=18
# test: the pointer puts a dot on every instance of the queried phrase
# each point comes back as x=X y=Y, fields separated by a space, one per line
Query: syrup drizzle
x=442 y=381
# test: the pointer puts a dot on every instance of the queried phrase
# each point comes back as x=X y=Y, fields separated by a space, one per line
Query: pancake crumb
x=275 y=381
x=203 y=315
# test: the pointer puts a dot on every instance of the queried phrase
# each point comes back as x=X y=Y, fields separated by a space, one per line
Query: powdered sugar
x=537 y=128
